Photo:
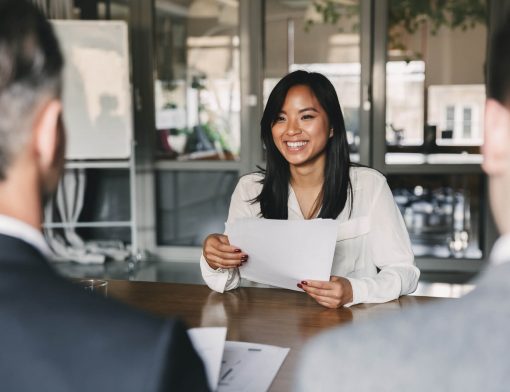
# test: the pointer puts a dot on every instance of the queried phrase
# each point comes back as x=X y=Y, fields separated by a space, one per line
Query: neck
x=310 y=175
x=20 y=195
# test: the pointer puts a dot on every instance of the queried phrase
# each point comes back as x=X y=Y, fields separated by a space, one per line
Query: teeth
x=296 y=144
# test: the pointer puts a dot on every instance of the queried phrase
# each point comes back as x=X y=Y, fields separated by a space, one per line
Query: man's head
x=31 y=132
x=496 y=149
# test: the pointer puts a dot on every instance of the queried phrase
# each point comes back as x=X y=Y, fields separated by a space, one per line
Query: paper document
x=284 y=252
x=249 y=367
x=209 y=344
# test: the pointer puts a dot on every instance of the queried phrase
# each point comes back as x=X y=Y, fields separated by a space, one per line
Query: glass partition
x=435 y=78
x=196 y=81
x=442 y=213
x=322 y=37
x=192 y=205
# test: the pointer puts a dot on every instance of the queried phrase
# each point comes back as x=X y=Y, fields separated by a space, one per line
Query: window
x=466 y=123
x=297 y=37
x=435 y=78
x=197 y=88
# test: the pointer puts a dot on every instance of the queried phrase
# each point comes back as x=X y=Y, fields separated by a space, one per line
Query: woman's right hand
x=220 y=254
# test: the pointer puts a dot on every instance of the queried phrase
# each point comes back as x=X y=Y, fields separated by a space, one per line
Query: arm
x=389 y=248
x=219 y=270
x=220 y=279
x=386 y=245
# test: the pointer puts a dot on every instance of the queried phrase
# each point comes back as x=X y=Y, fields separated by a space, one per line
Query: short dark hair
x=337 y=185
x=499 y=64
x=30 y=71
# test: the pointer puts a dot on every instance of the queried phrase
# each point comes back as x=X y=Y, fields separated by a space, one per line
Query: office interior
x=410 y=82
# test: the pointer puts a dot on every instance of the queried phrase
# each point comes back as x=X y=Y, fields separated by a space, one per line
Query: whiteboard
x=97 y=93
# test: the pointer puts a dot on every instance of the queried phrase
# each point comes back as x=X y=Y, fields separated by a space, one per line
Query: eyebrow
x=303 y=110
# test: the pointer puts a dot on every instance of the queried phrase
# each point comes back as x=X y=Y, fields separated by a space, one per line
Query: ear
x=46 y=133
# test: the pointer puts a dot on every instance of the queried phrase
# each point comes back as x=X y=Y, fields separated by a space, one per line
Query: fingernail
x=244 y=258
x=304 y=282
x=299 y=285
x=237 y=250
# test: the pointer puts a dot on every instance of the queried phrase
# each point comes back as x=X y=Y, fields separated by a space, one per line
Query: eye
x=279 y=119
x=307 y=117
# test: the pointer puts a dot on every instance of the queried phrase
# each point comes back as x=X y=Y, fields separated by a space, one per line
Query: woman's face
x=301 y=130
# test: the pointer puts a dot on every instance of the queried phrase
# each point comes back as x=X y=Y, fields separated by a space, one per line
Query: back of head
x=30 y=73
x=496 y=148
x=499 y=65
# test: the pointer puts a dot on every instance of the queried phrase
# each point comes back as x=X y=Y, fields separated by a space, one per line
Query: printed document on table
x=209 y=344
x=282 y=253
x=249 y=367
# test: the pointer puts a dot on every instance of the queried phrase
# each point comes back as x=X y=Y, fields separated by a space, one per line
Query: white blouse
x=373 y=250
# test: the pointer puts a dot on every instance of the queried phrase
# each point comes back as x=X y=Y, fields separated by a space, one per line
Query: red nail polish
x=237 y=250
x=299 y=285
x=304 y=282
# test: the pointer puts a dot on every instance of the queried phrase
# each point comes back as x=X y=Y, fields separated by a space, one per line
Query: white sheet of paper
x=209 y=344
x=249 y=367
x=284 y=252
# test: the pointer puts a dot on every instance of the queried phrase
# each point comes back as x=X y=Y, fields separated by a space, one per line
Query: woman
x=309 y=175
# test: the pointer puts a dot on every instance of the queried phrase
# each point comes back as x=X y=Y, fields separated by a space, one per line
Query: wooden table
x=269 y=316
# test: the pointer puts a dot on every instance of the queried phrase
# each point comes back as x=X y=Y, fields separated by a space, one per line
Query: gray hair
x=30 y=74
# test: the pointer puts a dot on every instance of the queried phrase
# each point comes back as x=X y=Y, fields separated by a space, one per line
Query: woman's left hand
x=333 y=294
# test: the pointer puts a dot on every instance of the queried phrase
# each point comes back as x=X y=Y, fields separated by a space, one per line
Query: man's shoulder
x=441 y=337
x=121 y=347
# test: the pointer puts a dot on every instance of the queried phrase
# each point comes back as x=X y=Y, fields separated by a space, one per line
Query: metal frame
x=142 y=43
x=366 y=60
x=133 y=207
x=251 y=32
x=379 y=45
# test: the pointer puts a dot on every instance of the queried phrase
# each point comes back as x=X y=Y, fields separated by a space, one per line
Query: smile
x=299 y=144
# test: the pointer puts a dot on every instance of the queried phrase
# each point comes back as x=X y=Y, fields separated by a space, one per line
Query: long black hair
x=274 y=196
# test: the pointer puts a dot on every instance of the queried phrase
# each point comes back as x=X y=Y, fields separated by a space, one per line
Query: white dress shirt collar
x=293 y=204
x=23 y=231
x=501 y=250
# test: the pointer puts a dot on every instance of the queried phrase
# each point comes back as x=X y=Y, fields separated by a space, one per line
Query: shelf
x=97 y=164
x=197 y=165
x=88 y=224
x=404 y=163
x=427 y=264
x=433 y=169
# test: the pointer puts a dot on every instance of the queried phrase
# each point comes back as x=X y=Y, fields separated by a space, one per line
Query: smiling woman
x=301 y=131
x=309 y=175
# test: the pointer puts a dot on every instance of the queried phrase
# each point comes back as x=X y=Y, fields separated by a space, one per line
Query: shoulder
x=367 y=183
x=251 y=180
x=249 y=185
x=366 y=176
x=423 y=333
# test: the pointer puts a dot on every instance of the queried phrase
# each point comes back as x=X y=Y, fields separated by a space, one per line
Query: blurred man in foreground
x=458 y=345
x=55 y=336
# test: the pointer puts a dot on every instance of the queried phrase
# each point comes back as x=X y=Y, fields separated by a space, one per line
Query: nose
x=293 y=128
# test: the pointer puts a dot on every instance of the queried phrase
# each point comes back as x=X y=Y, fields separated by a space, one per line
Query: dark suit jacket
x=56 y=337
